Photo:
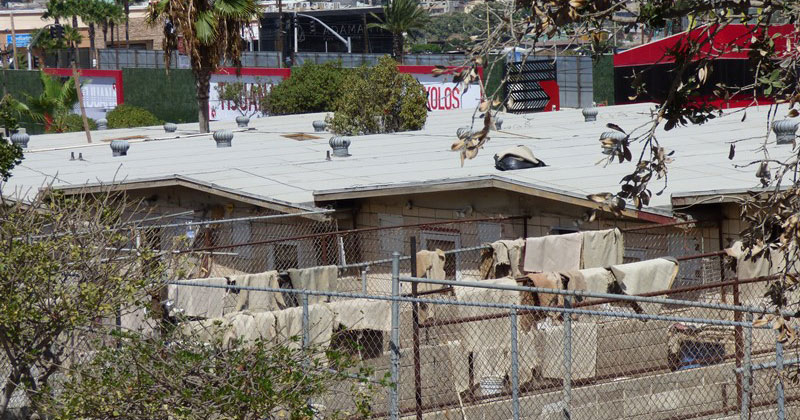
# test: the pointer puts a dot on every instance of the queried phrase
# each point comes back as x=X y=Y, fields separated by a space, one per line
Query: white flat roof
x=264 y=165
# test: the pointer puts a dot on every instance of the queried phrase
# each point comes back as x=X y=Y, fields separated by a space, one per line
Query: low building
x=140 y=34
x=406 y=178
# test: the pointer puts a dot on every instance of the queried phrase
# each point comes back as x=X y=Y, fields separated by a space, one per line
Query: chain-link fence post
x=415 y=333
x=514 y=366
x=306 y=338
x=394 y=413
x=779 y=379
x=746 y=370
x=364 y=272
x=567 y=385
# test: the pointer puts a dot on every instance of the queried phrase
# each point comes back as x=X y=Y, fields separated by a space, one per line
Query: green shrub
x=69 y=123
x=311 y=88
x=379 y=100
x=127 y=116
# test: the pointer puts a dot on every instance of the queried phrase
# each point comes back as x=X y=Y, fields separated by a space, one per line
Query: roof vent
x=611 y=141
x=462 y=132
x=102 y=124
x=498 y=124
x=242 y=121
x=785 y=131
x=120 y=147
x=589 y=114
x=319 y=126
x=170 y=127
x=20 y=139
x=519 y=157
x=223 y=138
x=340 y=146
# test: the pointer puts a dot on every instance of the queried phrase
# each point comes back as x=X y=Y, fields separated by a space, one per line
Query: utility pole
x=14 y=40
x=280 y=29
x=294 y=28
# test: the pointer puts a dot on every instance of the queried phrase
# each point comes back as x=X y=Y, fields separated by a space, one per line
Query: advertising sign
x=257 y=82
x=443 y=94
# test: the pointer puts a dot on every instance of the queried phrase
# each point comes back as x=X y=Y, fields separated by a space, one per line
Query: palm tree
x=56 y=99
x=127 y=6
x=111 y=13
x=211 y=32
x=98 y=13
x=401 y=18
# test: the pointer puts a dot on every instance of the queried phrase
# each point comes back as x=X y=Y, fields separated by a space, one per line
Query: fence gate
x=532 y=86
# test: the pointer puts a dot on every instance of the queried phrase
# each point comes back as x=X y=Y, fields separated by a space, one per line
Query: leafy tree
x=401 y=18
x=126 y=116
x=65 y=266
x=379 y=100
x=10 y=154
x=455 y=29
x=210 y=32
x=312 y=88
x=56 y=99
x=183 y=377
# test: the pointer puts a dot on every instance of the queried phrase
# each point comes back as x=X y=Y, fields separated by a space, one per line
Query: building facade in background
x=350 y=23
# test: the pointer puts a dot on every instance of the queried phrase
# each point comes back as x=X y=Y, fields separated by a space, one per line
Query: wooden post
x=80 y=97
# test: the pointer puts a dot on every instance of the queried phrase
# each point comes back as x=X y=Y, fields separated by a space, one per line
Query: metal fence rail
x=117 y=59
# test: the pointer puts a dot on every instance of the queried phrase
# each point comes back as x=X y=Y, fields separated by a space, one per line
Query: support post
x=306 y=327
x=567 y=385
x=525 y=227
x=746 y=372
x=514 y=366
x=364 y=272
x=415 y=333
x=394 y=412
x=737 y=316
x=779 y=381
x=80 y=95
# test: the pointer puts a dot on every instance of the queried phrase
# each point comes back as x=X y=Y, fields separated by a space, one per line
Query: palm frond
x=236 y=9
x=401 y=16
x=205 y=27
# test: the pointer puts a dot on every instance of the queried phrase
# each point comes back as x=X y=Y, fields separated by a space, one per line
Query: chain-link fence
x=476 y=352
x=492 y=351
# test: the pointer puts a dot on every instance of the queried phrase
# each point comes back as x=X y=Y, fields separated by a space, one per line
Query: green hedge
x=603 y=80
x=17 y=82
x=127 y=116
x=169 y=96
